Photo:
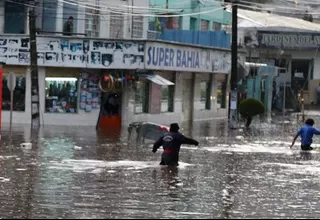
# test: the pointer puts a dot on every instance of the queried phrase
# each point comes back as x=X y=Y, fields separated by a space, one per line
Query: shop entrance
x=301 y=74
x=109 y=120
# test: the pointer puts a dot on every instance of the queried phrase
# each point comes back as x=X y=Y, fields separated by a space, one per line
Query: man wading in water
x=306 y=133
x=171 y=143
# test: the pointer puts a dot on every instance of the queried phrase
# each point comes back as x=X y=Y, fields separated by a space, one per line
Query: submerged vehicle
x=145 y=132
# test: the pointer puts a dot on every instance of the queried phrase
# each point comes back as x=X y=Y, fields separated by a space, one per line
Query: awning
x=243 y=71
x=157 y=79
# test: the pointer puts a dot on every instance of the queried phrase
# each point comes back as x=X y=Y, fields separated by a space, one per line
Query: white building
x=96 y=18
x=155 y=81
x=160 y=82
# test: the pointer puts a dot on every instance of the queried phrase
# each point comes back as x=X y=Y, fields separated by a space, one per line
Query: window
x=221 y=93
x=142 y=97
x=167 y=99
x=19 y=94
x=14 y=17
x=205 y=99
x=193 y=24
x=61 y=95
x=92 y=22
x=174 y=23
x=204 y=25
x=137 y=27
x=216 y=26
x=116 y=25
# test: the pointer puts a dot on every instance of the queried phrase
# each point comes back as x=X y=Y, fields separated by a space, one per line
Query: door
x=109 y=120
x=187 y=99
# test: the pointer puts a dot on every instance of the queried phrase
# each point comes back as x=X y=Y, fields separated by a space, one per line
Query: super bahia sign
x=165 y=57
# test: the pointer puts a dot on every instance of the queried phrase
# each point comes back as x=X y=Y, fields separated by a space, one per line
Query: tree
x=251 y=107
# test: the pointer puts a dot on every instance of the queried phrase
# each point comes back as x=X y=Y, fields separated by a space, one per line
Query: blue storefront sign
x=164 y=56
x=159 y=56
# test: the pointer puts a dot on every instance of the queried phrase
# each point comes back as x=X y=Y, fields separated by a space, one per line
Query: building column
x=59 y=17
x=127 y=23
x=155 y=98
x=26 y=20
x=28 y=96
x=127 y=108
x=39 y=12
x=81 y=22
x=104 y=31
x=2 y=17
x=42 y=92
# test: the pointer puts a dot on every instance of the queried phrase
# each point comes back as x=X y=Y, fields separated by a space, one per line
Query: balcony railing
x=218 y=39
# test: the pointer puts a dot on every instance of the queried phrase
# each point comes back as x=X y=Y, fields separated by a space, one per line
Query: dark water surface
x=73 y=172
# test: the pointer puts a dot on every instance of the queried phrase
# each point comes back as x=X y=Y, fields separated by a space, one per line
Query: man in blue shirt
x=306 y=133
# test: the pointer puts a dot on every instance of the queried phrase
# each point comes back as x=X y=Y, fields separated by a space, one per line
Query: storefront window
x=18 y=95
x=61 y=95
x=142 y=97
x=221 y=94
x=167 y=98
x=205 y=95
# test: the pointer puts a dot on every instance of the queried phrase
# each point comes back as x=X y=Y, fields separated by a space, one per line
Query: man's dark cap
x=174 y=127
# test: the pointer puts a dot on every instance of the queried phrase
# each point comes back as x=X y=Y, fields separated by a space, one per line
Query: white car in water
x=145 y=132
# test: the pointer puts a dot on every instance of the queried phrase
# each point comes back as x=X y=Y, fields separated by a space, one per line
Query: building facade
x=290 y=44
x=153 y=81
x=204 y=15
x=95 y=18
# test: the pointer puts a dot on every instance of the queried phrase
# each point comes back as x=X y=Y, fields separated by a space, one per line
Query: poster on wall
x=221 y=62
x=86 y=53
x=12 y=49
x=117 y=54
x=48 y=51
x=89 y=92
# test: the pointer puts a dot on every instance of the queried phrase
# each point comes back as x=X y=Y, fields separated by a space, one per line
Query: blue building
x=201 y=22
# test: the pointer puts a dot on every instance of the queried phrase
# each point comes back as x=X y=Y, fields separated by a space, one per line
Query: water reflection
x=306 y=155
x=81 y=173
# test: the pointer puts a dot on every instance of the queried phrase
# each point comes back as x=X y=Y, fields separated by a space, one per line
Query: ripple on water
x=96 y=166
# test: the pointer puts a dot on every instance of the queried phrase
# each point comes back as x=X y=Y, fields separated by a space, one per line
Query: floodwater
x=76 y=173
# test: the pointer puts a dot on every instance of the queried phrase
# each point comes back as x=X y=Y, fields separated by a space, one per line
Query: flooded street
x=72 y=172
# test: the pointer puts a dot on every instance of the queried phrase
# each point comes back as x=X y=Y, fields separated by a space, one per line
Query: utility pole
x=234 y=68
x=35 y=109
x=167 y=5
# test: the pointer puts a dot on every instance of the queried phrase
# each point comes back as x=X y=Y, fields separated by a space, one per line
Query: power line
x=134 y=14
x=289 y=12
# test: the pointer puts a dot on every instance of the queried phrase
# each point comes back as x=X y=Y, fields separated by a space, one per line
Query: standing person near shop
x=171 y=143
x=68 y=27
